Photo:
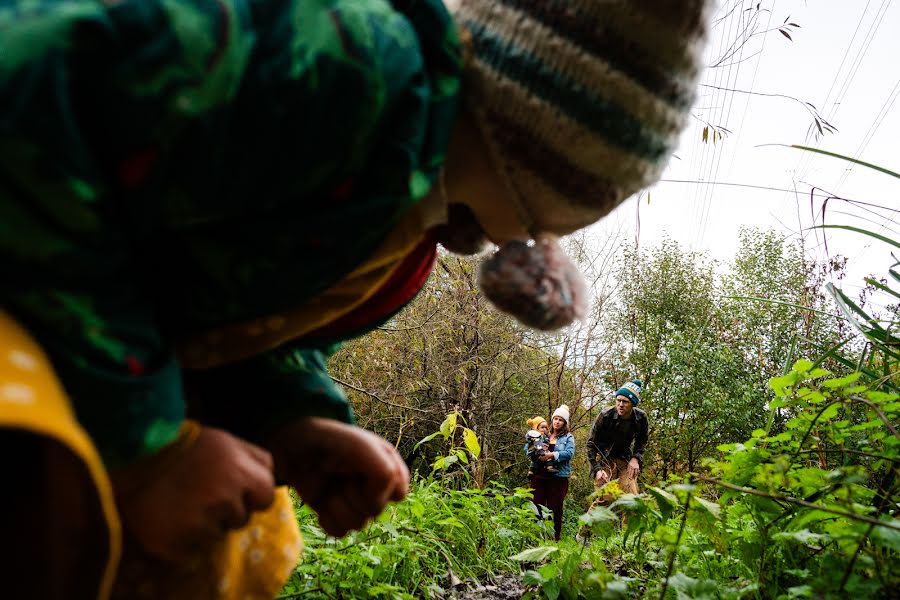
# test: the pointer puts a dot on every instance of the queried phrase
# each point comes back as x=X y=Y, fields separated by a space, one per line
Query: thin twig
x=371 y=395
x=878 y=412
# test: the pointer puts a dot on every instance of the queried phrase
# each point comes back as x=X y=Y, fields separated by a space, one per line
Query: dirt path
x=505 y=587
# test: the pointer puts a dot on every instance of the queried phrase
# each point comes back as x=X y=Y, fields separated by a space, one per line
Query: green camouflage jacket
x=169 y=166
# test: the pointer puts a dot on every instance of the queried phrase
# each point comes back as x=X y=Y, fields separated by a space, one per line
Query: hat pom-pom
x=538 y=285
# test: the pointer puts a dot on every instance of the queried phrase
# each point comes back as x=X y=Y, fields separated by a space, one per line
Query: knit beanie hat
x=632 y=391
x=581 y=103
x=536 y=422
x=562 y=411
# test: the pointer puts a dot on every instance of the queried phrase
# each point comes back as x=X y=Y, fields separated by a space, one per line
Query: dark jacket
x=612 y=437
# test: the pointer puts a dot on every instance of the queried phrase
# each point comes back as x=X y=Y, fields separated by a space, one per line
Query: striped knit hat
x=581 y=102
x=632 y=391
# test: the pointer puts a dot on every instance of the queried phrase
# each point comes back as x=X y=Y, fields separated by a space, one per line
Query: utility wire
x=870 y=133
x=725 y=123
x=712 y=149
x=804 y=162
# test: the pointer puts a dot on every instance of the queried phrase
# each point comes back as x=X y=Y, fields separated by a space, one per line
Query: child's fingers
x=261 y=455
x=401 y=478
x=341 y=517
x=357 y=500
x=391 y=480
x=231 y=514
x=259 y=488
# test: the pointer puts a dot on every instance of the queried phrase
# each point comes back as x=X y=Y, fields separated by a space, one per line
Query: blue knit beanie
x=632 y=391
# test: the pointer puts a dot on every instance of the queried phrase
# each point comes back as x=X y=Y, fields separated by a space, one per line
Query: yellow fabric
x=250 y=563
x=243 y=340
x=32 y=400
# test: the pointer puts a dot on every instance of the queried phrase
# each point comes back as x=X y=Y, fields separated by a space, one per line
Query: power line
x=846 y=53
x=805 y=162
x=697 y=202
x=870 y=133
x=715 y=158
x=725 y=124
x=740 y=129
x=854 y=68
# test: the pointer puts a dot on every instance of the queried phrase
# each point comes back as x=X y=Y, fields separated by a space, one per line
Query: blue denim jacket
x=565 y=450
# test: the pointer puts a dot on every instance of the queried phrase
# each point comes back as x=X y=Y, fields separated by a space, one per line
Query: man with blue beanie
x=618 y=438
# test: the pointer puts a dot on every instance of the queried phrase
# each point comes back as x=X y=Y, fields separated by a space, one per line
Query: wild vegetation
x=772 y=467
x=767 y=475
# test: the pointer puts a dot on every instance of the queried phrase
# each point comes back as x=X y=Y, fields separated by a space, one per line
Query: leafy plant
x=454 y=431
x=418 y=548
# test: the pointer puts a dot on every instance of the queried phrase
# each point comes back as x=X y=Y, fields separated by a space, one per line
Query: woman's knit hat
x=581 y=103
x=536 y=422
x=563 y=412
x=632 y=391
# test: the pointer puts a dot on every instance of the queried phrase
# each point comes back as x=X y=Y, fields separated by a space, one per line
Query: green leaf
x=427 y=438
x=780 y=385
x=846 y=158
x=800 y=591
x=699 y=589
x=841 y=381
x=804 y=536
x=688 y=488
x=443 y=462
x=549 y=571
x=551 y=589
x=449 y=425
x=877 y=236
x=889 y=538
x=533 y=555
x=598 y=514
x=802 y=365
x=615 y=590
x=665 y=500
x=876 y=396
x=416 y=507
x=830 y=412
x=630 y=503
x=711 y=507
x=532 y=577
x=471 y=441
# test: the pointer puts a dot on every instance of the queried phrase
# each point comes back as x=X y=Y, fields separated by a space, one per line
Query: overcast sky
x=845 y=60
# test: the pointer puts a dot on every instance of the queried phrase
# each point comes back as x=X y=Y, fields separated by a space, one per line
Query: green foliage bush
x=809 y=512
x=419 y=547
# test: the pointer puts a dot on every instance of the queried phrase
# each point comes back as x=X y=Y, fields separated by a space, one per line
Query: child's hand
x=187 y=499
x=345 y=473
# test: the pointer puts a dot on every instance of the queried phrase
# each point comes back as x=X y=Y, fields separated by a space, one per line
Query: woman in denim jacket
x=551 y=487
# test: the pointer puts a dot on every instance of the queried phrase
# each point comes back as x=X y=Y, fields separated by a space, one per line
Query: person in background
x=618 y=439
x=535 y=447
x=199 y=200
x=551 y=487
